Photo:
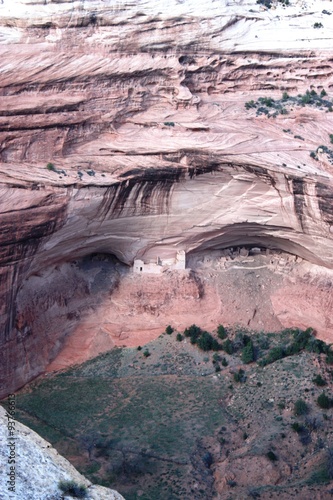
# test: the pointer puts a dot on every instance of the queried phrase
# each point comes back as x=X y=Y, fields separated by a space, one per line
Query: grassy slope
x=146 y=426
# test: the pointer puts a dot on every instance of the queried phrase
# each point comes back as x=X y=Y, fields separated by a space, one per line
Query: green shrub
x=300 y=408
x=318 y=25
x=207 y=343
x=193 y=332
x=216 y=357
x=331 y=138
x=221 y=332
x=329 y=357
x=266 y=101
x=50 y=166
x=179 y=337
x=318 y=380
x=169 y=330
x=248 y=353
x=271 y=456
x=169 y=124
x=146 y=353
x=73 y=489
x=297 y=427
x=316 y=345
x=274 y=354
x=250 y=104
x=323 y=93
x=285 y=96
x=224 y=362
x=324 y=401
x=228 y=347
x=240 y=376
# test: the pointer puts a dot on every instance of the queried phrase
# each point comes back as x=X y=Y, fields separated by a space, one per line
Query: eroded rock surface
x=38 y=467
x=139 y=111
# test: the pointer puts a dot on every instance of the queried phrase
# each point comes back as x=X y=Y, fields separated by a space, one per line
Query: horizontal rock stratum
x=124 y=130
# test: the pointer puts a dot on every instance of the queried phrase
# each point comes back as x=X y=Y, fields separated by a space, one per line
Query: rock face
x=139 y=113
x=38 y=468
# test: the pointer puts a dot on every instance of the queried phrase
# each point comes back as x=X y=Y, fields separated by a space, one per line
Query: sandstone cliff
x=139 y=110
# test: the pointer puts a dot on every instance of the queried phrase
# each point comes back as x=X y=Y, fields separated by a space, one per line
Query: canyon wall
x=124 y=130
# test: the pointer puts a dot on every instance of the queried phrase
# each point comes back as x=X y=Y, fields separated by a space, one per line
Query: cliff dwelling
x=159 y=265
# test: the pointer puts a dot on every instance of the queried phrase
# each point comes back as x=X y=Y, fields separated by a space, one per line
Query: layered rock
x=139 y=112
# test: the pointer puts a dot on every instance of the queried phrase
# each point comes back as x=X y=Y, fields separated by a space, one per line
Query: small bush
x=50 y=166
x=193 y=332
x=169 y=124
x=318 y=380
x=179 y=337
x=266 y=101
x=271 y=456
x=169 y=330
x=228 y=347
x=207 y=459
x=248 y=353
x=317 y=346
x=250 y=104
x=324 y=401
x=274 y=354
x=146 y=353
x=240 y=376
x=221 y=332
x=224 y=362
x=297 y=427
x=73 y=489
x=139 y=347
x=331 y=138
x=323 y=93
x=216 y=357
x=318 y=25
x=207 y=343
x=329 y=357
x=300 y=408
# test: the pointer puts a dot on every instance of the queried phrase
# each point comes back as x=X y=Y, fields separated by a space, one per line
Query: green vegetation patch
x=153 y=426
x=273 y=107
x=137 y=429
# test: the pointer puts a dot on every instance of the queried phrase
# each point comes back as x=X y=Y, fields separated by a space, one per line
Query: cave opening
x=269 y=239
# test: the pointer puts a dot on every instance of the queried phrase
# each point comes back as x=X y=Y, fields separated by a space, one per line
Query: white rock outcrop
x=38 y=467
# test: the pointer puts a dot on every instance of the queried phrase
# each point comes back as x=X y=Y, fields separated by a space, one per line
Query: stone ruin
x=158 y=265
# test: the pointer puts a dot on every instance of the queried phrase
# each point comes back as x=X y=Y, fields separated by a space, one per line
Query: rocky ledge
x=32 y=469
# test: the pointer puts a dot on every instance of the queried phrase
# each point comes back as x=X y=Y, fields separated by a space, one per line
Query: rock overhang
x=144 y=121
